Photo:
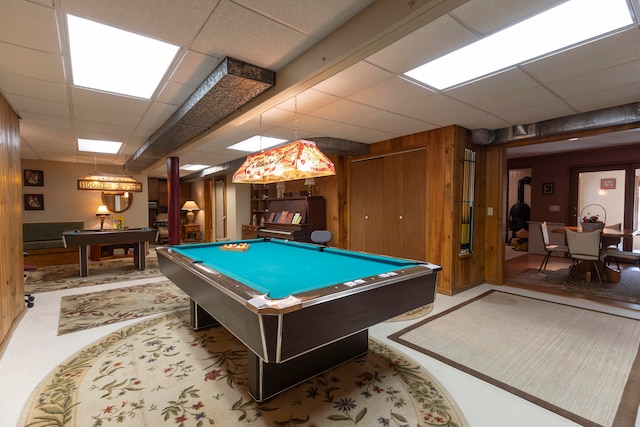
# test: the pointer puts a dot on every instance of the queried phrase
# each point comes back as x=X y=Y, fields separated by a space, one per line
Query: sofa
x=42 y=241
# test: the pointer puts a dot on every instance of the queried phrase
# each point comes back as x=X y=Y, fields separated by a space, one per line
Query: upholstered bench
x=43 y=242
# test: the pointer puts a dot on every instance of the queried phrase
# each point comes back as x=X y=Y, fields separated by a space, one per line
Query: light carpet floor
x=161 y=372
x=582 y=364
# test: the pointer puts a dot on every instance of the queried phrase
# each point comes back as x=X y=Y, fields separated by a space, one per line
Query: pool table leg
x=199 y=317
x=268 y=379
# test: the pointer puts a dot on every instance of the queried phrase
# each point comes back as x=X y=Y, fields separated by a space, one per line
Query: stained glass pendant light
x=300 y=159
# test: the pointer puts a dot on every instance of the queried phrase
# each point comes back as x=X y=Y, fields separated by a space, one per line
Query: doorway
x=608 y=192
x=220 y=208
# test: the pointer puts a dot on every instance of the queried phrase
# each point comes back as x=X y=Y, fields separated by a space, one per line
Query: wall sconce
x=102 y=212
x=190 y=206
x=310 y=183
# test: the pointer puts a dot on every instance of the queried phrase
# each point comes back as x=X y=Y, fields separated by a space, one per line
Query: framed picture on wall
x=608 y=184
x=547 y=188
x=33 y=178
x=33 y=202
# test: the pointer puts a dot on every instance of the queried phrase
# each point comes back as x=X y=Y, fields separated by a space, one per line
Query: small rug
x=627 y=290
x=57 y=277
x=161 y=372
x=582 y=364
x=413 y=314
x=86 y=311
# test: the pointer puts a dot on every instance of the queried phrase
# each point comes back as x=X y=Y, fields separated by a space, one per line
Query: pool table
x=300 y=308
x=84 y=238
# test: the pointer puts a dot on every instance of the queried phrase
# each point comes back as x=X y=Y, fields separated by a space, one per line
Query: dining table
x=627 y=234
x=609 y=274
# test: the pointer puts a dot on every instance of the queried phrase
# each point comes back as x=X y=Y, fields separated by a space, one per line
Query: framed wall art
x=547 y=188
x=33 y=178
x=608 y=184
x=33 y=202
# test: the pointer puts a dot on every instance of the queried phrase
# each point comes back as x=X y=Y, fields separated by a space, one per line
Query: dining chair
x=544 y=230
x=617 y=254
x=584 y=246
x=612 y=241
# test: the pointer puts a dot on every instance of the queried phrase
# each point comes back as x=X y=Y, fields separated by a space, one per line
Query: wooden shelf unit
x=103 y=252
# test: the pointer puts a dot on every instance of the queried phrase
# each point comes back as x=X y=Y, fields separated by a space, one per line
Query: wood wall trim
x=11 y=257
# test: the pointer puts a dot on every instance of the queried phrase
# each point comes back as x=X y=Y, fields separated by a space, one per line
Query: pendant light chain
x=295 y=118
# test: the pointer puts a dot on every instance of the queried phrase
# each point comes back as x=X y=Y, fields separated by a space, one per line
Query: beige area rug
x=57 y=277
x=161 y=372
x=86 y=311
x=581 y=364
x=627 y=290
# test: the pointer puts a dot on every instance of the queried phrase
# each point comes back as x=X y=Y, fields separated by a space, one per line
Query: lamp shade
x=309 y=181
x=297 y=160
x=190 y=205
x=102 y=210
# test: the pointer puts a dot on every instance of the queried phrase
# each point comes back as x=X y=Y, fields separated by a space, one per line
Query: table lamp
x=309 y=182
x=190 y=206
x=102 y=212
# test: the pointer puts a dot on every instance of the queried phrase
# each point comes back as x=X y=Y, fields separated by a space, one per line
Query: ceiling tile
x=34 y=88
x=327 y=14
x=389 y=93
x=172 y=22
x=604 y=53
x=429 y=42
x=31 y=63
x=488 y=16
x=353 y=79
x=26 y=105
x=30 y=25
x=264 y=42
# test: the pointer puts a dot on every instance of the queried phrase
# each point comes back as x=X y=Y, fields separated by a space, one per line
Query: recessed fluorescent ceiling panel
x=98 y=146
x=193 y=167
x=569 y=24
x=256 y=143
x=113 y=60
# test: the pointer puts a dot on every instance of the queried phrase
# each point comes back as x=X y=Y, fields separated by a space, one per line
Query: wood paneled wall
x=444 y=165
x=11 y=258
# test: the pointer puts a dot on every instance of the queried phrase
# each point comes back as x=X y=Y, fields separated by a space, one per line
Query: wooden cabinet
x=249 y=231
x=388 y=205
x=190 y=232
x=366 y=223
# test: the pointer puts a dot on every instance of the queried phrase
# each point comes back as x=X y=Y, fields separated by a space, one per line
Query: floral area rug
x=413 y=314
x=57 y=277
x=626 y=290
x=85 y=311
x=161 y=372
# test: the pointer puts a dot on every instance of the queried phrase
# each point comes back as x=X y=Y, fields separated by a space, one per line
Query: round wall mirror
x=117 y=201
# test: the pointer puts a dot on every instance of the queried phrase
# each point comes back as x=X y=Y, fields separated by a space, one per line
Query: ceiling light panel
x=569 y=24
x=113 y=60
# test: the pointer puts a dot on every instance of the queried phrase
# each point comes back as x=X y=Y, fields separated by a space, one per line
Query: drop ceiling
x=338 y=66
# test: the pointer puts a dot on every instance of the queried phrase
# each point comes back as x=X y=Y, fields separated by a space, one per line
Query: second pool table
x=300 y=308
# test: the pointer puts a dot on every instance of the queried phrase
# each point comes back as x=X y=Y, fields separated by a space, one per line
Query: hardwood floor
x=515 y=266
